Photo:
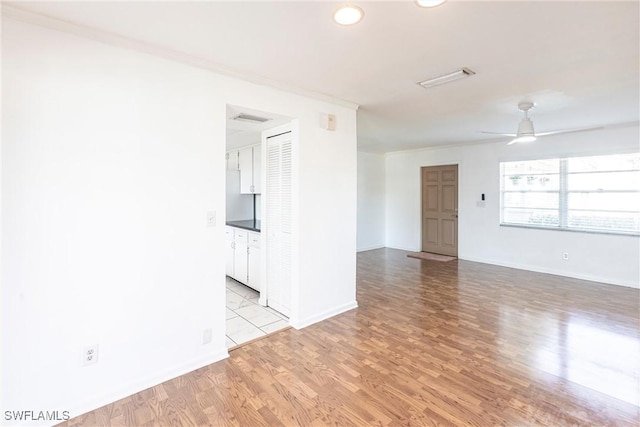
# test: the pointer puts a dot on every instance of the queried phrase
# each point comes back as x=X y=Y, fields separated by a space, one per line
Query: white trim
x=369 y=248
x=144 y=383
x=113 y=39
x=444 y=146
x=537 y=269
x=405 y=248
x=500 y=140
x=303 y=323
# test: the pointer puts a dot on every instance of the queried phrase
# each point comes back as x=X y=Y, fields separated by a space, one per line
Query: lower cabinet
x=253 y=252
x=229 y=247
x=243 y=256
x=240 y=266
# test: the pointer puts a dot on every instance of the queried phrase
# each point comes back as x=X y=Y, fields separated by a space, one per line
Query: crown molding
x=18 y=14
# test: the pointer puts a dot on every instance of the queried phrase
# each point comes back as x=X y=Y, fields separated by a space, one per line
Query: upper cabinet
x=232 y=160
x=250 y=163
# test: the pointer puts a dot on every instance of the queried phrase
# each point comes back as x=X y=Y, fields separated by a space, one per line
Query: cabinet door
x=257 y=169
x=232 y=160
x=229 y=250
x=246 y=170
x=254 y=261
x=254 y=268
x=240 y=261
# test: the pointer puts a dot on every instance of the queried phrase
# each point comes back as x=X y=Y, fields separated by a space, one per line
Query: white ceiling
x=578 y=61
x=241 y=133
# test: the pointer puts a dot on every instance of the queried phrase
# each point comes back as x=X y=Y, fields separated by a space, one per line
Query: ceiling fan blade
x=567 y=131
x=498 y=133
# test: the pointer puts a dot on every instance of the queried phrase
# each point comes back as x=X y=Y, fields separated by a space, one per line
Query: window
x=599 y=193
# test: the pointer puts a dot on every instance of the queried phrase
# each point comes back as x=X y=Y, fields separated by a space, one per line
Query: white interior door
x=279 y=199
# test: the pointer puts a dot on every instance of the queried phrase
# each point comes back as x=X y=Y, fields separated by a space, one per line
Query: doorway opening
x=439 y=186
x=253 y=245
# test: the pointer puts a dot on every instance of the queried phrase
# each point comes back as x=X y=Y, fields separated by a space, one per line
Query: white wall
x=371 y=196
x=605 y=258
x=327 y=195
x=110 y=160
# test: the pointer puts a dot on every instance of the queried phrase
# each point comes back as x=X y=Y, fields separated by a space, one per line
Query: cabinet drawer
x=241 y=236
x=228 y=231
x=254 y=240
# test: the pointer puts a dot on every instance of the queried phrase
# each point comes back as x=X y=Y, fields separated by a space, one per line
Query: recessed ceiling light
x=429 y=3
x=348 y=15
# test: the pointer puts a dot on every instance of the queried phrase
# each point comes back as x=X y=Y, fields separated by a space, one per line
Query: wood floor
x=432 y=343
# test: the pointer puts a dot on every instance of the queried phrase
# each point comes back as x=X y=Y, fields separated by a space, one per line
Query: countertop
x=247 y=224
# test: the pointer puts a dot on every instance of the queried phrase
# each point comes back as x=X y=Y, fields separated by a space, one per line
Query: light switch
x=211 y=218
x=331 y=122
x=328 y=121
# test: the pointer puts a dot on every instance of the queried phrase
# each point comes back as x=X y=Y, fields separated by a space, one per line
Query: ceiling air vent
x=250 y=118
x=464 y=72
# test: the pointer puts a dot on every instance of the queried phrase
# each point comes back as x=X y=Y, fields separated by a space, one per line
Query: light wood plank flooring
x=432 y=343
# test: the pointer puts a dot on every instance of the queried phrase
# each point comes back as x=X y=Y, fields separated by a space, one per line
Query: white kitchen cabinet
x=240 y=261
x=229 y=247
x=232 y=158
x=257 y=169
x=253 y=279
x=249 y=161
x=243 y=256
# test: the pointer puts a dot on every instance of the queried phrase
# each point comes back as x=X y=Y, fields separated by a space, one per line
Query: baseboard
x=402 y=248
x=303 y=323
x=369 y=248
x=145 y=383
x=538 y=269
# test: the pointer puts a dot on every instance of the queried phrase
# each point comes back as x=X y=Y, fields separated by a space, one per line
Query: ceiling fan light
x=348 y=15
x=525 y=128
x=429 y=3
x=523 y=139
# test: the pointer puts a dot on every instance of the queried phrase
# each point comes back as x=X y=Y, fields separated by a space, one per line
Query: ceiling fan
x=526 y=132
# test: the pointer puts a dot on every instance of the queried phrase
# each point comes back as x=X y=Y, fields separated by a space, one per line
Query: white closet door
x=278 y=213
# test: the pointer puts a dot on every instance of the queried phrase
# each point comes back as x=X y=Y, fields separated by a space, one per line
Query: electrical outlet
x=89 y=354
x=565 y=256
x=207 y=336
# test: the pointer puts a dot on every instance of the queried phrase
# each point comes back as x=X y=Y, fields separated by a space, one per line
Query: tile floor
x=246 y=319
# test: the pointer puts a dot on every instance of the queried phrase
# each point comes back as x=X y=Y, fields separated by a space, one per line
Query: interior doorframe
x=457 y=163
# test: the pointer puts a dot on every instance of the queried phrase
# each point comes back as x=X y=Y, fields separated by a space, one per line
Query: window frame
x=563 y=210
